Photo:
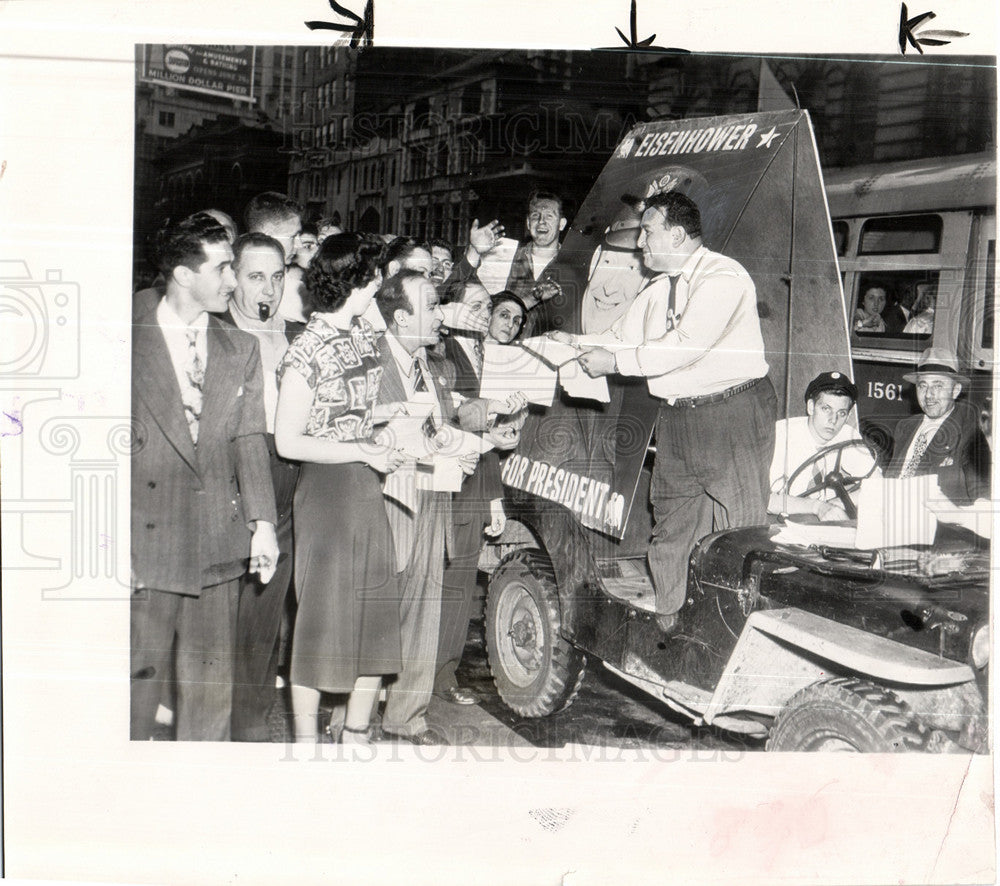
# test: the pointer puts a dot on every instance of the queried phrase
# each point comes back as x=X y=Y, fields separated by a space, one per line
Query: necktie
x=192 y=397
x=657 y=321
x=419 y=382
x=477 y=349
x=672 y=297
x=913 y=462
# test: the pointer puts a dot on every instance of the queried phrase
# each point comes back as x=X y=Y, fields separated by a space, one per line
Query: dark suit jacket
x=470 y=416
x=957 y=453
x=894 y=319
x=472 y=502
x=191 y=505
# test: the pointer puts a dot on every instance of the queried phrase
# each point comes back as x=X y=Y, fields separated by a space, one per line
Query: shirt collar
x=686 y=271
x=404 y=359
x=692 y=263
x=167 y=316
x=272 y=324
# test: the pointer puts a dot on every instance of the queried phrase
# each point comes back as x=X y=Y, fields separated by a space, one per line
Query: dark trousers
x=457 y=595
x=190 y=640
x=710 y=473
x=258 y=622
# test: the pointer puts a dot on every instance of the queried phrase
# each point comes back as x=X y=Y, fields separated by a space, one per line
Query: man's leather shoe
x=427 y=738
x=456 y=695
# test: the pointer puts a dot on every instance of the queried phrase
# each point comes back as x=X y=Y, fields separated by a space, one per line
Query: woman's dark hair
x=344 y=262
x=499 y=298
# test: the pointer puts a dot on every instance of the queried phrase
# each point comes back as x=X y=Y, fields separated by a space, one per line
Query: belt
x=714 y=398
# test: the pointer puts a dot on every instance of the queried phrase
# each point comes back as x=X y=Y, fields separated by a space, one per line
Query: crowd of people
x=268 y=369
x=265 y=547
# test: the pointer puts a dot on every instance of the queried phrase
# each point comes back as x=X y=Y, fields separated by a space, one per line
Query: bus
x=924 y=232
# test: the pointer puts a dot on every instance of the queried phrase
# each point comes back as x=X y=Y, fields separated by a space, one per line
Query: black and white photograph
x=764 y=520
x=432 y=456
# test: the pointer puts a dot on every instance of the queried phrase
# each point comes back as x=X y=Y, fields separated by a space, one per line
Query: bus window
x=894 y=305
x=840 y=233
x=989 y=303
x=909 y=234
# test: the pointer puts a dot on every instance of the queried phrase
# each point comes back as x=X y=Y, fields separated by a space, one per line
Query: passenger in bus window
x=922 y=322
x=899 y=313
x=868 y=316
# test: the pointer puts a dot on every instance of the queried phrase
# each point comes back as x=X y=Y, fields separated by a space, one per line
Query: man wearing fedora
x=946 y=438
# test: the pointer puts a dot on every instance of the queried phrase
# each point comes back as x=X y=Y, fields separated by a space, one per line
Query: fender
x=780 y=651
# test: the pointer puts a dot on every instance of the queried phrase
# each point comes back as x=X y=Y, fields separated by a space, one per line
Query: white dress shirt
x=404 y=362
x=794 y=444
x=175 y=333
x=712 y=343
x=270 y=334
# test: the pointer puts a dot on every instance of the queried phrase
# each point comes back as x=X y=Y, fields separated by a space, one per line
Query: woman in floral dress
x=347 y=627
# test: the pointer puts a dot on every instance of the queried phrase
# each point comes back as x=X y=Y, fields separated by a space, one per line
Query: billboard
x=226 y=71
x=757 y=182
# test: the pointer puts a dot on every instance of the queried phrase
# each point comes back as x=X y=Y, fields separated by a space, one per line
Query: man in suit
x=408 y=302
x=946 y=438
x=478 y=505
x=900 y=312
x=202 y=501
x=259 y=265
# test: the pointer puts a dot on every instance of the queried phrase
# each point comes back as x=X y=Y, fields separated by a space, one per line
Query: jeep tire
x=536 y=671
x=847 y=714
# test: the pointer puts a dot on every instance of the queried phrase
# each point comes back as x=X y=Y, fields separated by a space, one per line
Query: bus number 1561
x=878 y=390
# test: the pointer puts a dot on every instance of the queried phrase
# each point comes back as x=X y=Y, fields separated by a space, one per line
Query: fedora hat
x=937 y=361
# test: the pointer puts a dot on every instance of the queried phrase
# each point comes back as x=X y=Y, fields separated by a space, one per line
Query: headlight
x=981 y=647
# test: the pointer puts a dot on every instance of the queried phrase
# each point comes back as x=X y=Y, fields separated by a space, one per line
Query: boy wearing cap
x=830 y=397
x=946 y=439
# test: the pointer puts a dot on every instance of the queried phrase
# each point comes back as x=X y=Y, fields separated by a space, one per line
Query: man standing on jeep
x=694 y=334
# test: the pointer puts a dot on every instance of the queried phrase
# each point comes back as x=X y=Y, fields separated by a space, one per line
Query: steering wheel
x=842 y=484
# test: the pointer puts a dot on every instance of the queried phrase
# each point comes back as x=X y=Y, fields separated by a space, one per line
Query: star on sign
x=767 y=137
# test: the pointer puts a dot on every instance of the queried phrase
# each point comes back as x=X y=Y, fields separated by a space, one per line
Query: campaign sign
x=757 y=182
x=217 y=70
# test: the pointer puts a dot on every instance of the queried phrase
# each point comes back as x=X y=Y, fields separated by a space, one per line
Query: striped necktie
x=419 y=382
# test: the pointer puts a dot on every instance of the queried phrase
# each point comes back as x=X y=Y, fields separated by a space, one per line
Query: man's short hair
x=438 y=243
x=679 y=209
x=184 y=242
x=270 y=207
x=391 y=295
x=399 y=249
x=539 y=194
x=832 y=383
x=255 y=240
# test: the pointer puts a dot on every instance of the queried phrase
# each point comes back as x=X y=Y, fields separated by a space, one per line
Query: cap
x=832 y=381
x=937 y=361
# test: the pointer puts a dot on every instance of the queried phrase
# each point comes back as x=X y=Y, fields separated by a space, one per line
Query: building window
x=166 y=118
x=388 y=219
x=305 y=59
x=907 y=234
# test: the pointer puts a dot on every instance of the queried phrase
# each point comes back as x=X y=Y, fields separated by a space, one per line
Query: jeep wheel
x=846 y=714
x=535 y=670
